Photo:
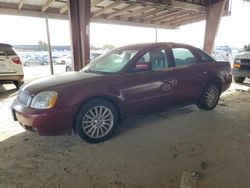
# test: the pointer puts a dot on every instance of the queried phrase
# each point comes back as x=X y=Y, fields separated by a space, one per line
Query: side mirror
x=142 y=66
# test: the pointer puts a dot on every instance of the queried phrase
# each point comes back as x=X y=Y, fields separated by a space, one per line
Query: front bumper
x=240 y=73
x=45 y=122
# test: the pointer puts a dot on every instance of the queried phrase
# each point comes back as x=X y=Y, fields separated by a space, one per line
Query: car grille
x=23 y=98
x=245 y=64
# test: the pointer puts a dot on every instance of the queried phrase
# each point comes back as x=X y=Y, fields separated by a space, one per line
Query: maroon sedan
x=125 y=82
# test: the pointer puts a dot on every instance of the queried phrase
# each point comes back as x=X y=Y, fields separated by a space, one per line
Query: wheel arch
x=114 y=101
x=216 y=80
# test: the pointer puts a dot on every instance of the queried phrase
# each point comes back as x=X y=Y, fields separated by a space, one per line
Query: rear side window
x=183 y=56
x=205 y=57
x=7 y=50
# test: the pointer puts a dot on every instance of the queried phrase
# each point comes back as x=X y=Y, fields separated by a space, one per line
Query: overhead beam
x=186 y=18
x=188 y=6
x=160 y=14
x=30 y=13
x=214 y=15
x=20 y=5
x=95 y=2
x=200 y=18
x=47 y=5
x=135 y=13
x=121 y=11
x=63 y=9
x=168 y=18
x=144 y=14
x=113 y=5
x=131 y=23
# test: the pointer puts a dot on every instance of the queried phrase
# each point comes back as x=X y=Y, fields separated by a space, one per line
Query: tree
x=43 y=46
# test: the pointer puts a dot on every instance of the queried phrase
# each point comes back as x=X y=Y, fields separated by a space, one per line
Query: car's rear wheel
x=18 y=84
x=210 y=96
x=96 y=121
x=239 y=79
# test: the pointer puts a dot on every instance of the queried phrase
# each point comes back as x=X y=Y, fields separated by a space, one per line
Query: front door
x=150 y=90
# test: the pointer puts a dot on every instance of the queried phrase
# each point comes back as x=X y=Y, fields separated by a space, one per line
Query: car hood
x=56 y=80
x=243 y=55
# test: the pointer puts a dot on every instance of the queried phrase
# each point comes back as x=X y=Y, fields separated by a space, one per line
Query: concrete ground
x=156 y=151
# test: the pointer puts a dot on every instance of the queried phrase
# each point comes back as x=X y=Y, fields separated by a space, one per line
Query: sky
x=234 y=31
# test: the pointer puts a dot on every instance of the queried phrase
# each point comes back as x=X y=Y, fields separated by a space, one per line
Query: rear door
x=153 y=90
x=189 y=73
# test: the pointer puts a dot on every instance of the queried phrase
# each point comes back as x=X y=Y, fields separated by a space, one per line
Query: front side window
x=111 y=62
x=183 y=57
x=155 y=58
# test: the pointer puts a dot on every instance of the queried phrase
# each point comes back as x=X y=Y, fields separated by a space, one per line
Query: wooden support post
x=214 y=15
x=79 y=16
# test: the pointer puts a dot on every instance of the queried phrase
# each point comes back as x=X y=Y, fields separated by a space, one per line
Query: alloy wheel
x=212 y=96
x=97 y=121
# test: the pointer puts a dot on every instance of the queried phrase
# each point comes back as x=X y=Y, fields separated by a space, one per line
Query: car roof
x=5 y=45
x=152 y=45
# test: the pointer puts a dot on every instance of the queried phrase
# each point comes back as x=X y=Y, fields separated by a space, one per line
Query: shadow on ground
x=7 y=90
x=146 y=151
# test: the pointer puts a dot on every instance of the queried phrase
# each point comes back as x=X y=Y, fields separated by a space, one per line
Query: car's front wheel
x=239 y=79
x=96 y=121
x=210 y=96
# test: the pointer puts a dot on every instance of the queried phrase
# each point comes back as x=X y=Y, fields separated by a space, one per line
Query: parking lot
x=159 y=150
x=34 y=72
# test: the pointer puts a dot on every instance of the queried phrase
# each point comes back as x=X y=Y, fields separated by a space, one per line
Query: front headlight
x=44 y=100
x=237 y=61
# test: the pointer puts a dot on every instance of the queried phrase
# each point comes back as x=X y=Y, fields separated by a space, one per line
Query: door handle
x=172 y=81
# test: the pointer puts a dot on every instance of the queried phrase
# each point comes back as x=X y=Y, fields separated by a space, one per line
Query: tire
x=18 y=84
x=210 y=96
x=239 y=79
x=68 y=69
x=96 y=121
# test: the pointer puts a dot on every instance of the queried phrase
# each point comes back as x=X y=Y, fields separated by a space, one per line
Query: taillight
x=17 y=60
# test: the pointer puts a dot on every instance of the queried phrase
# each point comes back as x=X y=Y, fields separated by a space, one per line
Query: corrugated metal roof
x=162 y=13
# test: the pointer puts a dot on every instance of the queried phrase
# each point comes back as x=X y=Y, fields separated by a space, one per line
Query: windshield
x=111 y=62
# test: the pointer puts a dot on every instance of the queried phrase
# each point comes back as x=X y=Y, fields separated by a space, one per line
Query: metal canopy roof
x=149 y=13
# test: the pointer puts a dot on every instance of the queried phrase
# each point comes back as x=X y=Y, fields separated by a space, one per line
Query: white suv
x=11 y=69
